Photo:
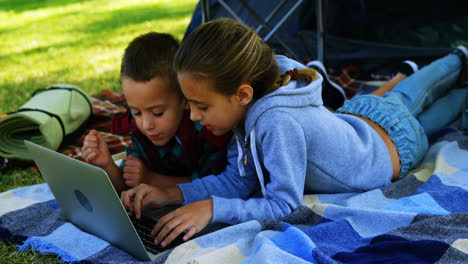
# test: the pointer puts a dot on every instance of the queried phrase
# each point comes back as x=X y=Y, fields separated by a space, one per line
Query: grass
x=68 y=41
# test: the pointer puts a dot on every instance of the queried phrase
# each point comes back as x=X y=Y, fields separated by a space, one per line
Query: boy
x=167 y=147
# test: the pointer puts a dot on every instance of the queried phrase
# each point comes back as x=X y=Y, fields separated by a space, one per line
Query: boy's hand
x=191 y=219
x=135 y=171
x=95 y=150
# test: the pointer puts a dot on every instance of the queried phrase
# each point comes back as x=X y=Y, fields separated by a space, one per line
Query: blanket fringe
x=46 y=248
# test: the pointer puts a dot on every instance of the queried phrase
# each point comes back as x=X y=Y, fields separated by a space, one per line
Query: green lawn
x=78 y=42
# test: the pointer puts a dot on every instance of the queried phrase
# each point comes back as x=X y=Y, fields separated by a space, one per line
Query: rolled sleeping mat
x=45 y=119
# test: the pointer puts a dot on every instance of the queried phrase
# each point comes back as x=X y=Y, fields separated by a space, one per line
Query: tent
x=374 y=35
x=421 y=218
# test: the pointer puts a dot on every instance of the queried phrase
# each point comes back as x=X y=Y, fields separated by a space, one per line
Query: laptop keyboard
x=143 y=226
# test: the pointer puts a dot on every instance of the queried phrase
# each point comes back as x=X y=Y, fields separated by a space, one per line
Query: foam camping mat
x=45 y=119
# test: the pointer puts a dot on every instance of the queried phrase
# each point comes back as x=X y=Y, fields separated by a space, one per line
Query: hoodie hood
x=294 y=94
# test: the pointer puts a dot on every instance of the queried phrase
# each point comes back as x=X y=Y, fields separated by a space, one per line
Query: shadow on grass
x=110 y=21
x=9 y=254
x=124 y=17
x=20 y=177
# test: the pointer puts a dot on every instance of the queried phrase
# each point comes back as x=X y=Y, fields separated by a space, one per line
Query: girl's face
x=217 y=112
x=156 y=107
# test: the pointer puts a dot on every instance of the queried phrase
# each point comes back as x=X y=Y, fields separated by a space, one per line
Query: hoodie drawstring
x=242 y=156
x=240 y=164
x=258 y=167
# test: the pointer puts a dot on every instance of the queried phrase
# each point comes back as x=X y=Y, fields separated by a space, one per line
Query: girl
x=287 y=142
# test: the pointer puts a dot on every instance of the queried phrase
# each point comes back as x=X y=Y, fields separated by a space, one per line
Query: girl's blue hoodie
x=292 y=145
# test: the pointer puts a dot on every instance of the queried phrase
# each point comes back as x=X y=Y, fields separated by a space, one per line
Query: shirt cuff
x=189 y=193
x=224 y=210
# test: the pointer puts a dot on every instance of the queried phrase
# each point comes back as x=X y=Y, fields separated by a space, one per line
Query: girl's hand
x=135 y=172
x=144 y=195
x=95 y=150
x=191 y=219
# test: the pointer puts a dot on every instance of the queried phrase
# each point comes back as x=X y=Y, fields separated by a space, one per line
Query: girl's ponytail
x=231 y=54
x=306 y=74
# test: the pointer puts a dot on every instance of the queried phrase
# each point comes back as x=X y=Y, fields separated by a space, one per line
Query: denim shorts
x=403 y=128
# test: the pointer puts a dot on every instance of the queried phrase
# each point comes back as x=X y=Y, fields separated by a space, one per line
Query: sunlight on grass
x=68 y=41
x=78 y=43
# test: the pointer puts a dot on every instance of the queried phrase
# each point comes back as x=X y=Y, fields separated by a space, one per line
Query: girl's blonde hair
x=231 y=54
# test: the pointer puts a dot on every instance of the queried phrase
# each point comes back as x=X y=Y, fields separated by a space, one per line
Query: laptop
x=88 y=199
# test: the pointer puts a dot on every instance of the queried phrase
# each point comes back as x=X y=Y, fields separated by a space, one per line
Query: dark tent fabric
x=374 y=35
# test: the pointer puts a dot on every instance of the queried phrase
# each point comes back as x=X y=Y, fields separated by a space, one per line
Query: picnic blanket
x=46 y=118
x=422 y=218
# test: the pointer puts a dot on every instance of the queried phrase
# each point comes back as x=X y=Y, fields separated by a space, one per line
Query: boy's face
x=217 y=112
x=156 y=107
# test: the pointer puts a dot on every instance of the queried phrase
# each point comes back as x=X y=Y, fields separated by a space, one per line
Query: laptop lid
x=87 y=197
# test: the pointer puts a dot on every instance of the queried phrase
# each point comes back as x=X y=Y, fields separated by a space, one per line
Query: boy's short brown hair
x=148 y=56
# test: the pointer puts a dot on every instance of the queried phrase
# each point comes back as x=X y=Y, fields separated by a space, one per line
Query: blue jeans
x=414 y=108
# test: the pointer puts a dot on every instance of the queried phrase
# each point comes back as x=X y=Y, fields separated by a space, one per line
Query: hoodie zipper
x=243 y=141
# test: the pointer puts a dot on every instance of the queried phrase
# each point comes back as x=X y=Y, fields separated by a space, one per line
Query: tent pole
x=230 y=11
x=205 y=7
x=272 y=31
x=290 y=11
x=270 y=16
x=320 y=35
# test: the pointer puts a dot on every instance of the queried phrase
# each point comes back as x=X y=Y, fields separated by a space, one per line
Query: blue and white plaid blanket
x=422 y=218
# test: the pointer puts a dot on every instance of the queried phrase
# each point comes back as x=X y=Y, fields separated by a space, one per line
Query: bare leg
x=388 y=86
